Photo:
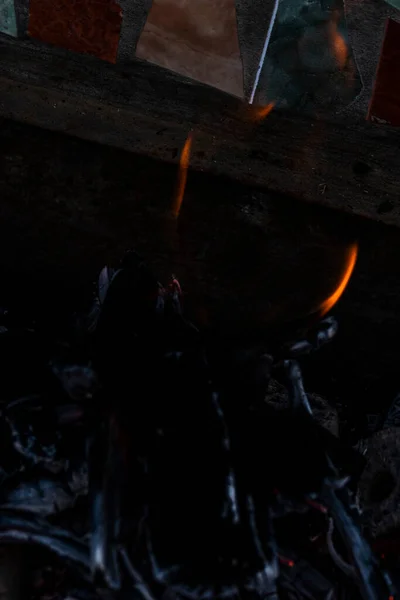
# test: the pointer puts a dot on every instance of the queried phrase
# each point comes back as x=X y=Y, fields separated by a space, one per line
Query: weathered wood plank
x=246 y=259
x=147 y=110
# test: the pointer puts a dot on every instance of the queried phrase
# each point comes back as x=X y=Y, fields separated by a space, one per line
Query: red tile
x=385 y=103
x=89 y=26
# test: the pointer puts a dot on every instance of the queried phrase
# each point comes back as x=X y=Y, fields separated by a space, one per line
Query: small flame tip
x=351 y=259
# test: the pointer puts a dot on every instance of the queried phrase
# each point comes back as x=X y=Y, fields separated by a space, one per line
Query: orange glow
x=338 y=45
x=182 y=175
x=333 y=298
x=286 y=561
x=260 y=112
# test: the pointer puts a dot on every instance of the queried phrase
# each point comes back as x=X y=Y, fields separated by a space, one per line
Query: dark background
x=248 y=261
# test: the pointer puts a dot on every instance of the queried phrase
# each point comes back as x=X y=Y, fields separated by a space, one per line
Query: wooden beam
x=246 y=259
x=149 y=111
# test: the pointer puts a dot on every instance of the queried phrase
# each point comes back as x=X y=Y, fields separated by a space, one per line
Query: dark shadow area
x=249 y=262
x=382 y=486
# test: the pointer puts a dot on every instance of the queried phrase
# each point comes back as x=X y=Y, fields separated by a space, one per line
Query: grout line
x=264 y=51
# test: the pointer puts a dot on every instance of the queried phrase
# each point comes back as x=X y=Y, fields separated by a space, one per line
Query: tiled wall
x=8 y=21
x=110 y=29
x=200 y=42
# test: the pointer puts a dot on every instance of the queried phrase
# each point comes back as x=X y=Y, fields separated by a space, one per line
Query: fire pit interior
x=199 y=303
x=188 y=370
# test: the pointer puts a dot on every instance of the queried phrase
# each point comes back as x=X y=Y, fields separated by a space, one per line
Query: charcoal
x=151 y=460
x=325 y=414
x=44 y=494
x=78 y=381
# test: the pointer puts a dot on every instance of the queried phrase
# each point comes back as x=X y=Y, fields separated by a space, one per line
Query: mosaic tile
x=385 y=103
x=197 y=39
x=8 y=21
x=309 y=65
x=88 y=26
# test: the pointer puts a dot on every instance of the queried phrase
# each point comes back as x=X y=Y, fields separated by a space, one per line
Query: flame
x=333 y=298
x=338 y=45
x=260 y=112
x=182 y=175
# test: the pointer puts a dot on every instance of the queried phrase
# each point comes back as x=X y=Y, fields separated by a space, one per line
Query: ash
x=142 y=459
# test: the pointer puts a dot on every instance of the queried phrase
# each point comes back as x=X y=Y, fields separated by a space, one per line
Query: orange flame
x=260 y=112
x=182 y=175
x=350 y=264
x=338 y=45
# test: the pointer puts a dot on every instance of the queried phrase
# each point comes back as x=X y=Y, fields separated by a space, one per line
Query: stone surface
x=323 y=412
x=196 y=39
x=379 y=485
x=87 y=26
x=8 y=22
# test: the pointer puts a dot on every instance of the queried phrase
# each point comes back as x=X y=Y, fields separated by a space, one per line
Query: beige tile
x=196 y=38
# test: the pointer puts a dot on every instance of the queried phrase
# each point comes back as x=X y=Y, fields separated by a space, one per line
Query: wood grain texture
x=150 y=111
x=245 y=258
x=88 y=26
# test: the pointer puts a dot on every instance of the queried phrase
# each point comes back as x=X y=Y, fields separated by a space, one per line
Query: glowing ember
x=182 y=175
x=338 y=45
x=260 y=112
x=286 y=561
x=333 y=298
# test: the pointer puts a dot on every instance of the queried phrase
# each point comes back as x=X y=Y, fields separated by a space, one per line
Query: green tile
x=8 y=21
